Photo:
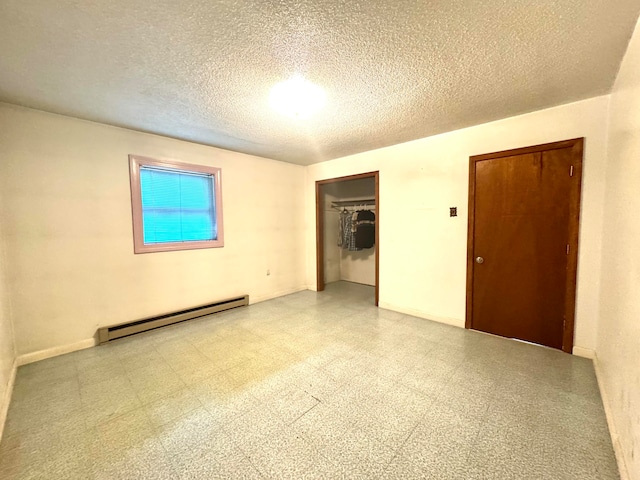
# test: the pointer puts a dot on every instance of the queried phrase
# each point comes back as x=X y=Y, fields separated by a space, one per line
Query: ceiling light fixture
x=297 y=98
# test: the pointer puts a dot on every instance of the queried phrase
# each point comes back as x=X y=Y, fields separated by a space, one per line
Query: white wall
x=423 y=250
x=358 y=266
x=67 y=218
x=7 y=347
x=618 y=350
x=331 y=248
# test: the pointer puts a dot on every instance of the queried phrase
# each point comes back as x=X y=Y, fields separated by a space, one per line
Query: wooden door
x=523 y=240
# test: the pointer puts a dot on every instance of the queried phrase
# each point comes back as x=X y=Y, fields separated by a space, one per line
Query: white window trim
x=135 y=162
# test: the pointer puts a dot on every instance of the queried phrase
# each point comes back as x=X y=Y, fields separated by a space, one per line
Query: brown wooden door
x=523 y=232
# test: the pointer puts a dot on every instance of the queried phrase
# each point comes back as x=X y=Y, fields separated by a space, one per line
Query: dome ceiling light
x=297 y=98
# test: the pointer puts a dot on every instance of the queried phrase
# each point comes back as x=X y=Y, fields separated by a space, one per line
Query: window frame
x=135 y=163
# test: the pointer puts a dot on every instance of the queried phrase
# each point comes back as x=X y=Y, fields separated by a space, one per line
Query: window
x=176 y=206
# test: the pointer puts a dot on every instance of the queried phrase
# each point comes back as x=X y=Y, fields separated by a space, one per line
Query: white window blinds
x=177 y=206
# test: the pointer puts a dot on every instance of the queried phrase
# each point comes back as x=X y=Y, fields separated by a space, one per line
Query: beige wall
x=618 y=351
x=7 y=347
x=359 y=267
x=331 y=233
x=67 y=219
x=423 y=250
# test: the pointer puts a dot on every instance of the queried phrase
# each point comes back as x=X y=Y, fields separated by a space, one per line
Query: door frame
x=577 y=146
x=320 y=227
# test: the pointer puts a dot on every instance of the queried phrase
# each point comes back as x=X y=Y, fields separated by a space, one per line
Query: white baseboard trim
x=456 y=322
x=583 y=352
x=257 y=299
x=32 y=357
x=6 y=400
x=615 y=439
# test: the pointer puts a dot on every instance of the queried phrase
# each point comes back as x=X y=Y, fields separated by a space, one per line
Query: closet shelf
x=354 y=203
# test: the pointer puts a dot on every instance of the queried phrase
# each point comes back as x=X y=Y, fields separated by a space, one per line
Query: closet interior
x=349 y=223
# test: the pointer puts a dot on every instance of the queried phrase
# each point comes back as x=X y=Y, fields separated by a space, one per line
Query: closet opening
x=347 y=230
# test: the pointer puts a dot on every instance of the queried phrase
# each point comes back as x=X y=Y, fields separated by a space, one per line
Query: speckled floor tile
x=291 y=404
x=285 y=455
x=215 y=463
x=172 y=407
x=108 y=399
x=321 y=425
x=310 y=385
x=154 y=382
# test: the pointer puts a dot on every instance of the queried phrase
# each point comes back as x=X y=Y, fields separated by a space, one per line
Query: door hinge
x=568 y=248
x=571 y=171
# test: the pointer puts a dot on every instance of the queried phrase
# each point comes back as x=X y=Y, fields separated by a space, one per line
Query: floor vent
x=106 y=334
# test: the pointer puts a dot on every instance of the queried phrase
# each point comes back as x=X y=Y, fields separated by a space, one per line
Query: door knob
x=479 y=260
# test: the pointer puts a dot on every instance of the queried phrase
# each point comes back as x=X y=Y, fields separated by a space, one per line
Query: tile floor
x=311 y=385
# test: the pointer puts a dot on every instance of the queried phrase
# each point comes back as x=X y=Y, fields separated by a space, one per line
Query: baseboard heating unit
x=106 y=334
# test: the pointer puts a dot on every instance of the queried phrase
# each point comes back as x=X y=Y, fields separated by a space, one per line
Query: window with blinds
x=176 y=206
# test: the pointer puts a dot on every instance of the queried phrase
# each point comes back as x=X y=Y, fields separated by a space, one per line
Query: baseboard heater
x=106 y=334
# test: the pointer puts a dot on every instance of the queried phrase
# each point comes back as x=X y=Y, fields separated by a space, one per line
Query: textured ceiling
x=201 y=70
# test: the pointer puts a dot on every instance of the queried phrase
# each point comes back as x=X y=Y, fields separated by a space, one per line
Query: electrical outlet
x=453 y=211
